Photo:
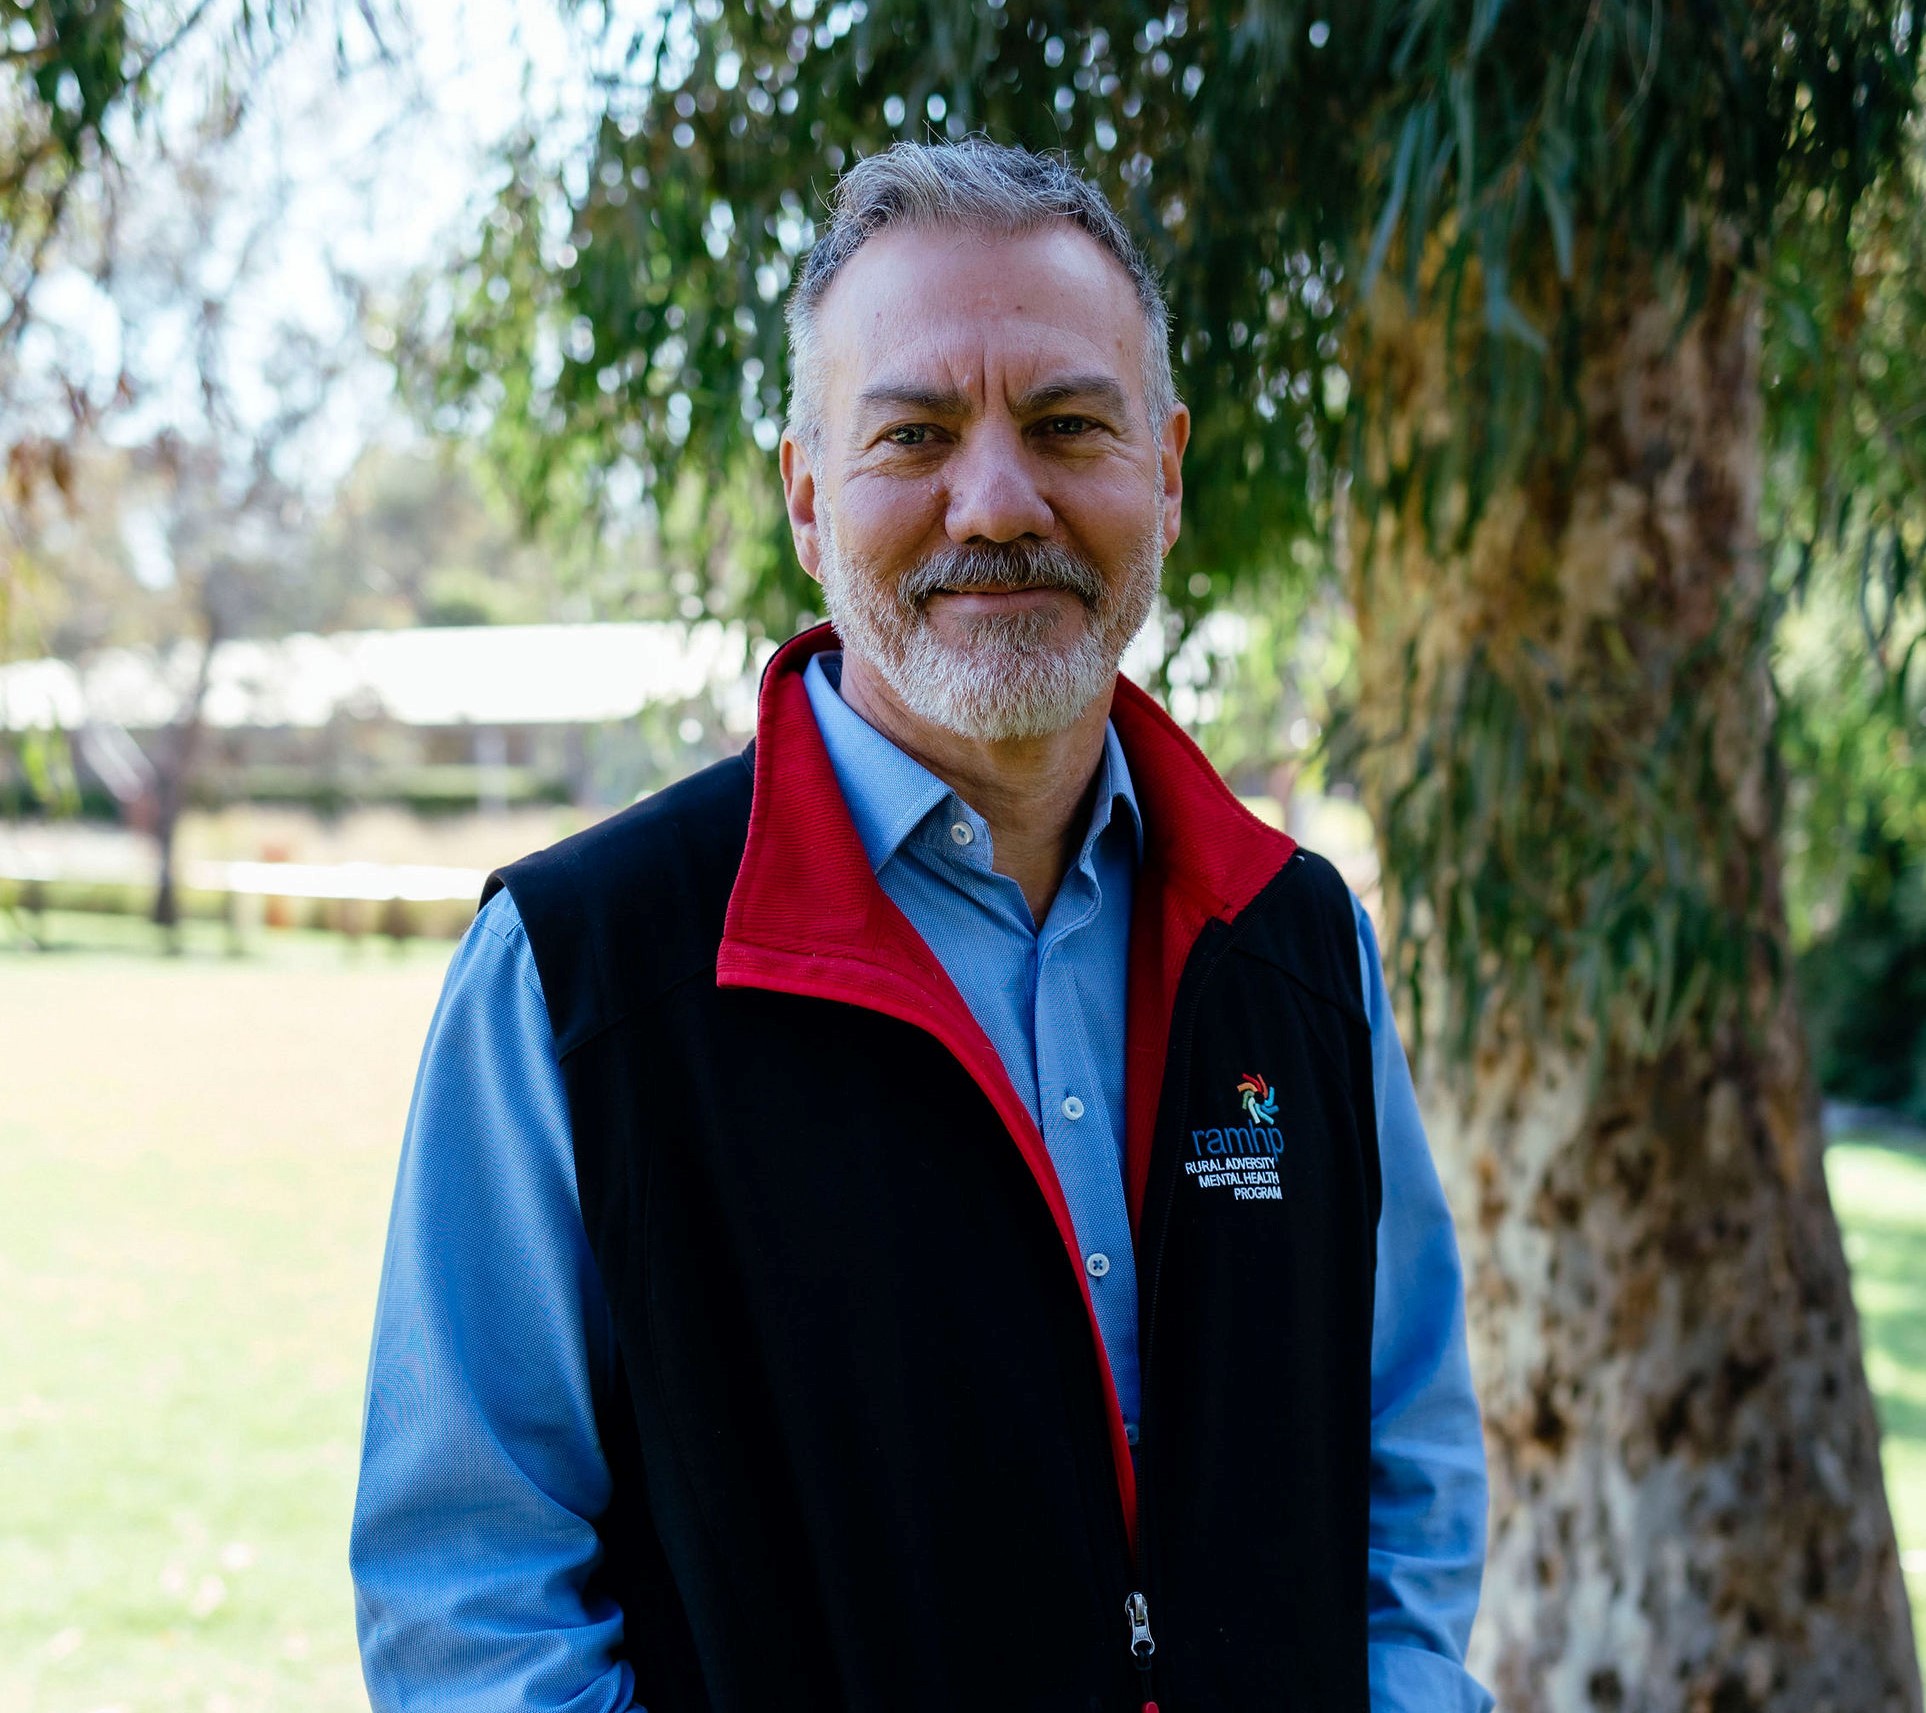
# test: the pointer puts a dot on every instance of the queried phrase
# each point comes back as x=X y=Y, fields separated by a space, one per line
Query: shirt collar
x=890 y=794
x=1116 y=799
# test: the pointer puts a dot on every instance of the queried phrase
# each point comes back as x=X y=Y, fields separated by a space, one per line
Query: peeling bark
x=1688 y=1514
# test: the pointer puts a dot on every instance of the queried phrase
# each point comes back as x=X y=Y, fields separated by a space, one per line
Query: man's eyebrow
x=1099 y=390
x=904 y=395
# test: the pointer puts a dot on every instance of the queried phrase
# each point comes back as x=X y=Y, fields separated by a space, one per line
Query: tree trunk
x=179 y=750
x=1688 y=1514
x=172 y=776
x=167 y=815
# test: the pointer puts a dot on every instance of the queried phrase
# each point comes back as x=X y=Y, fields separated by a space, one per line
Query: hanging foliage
x=623 y=313
x=1503 y=170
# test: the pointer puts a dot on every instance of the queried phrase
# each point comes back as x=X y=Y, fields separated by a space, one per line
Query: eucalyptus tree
x=177 y=405
x=70 y=72
x=1852 y=669
x=1502 y=315
x=76 y=77
x=79 y=79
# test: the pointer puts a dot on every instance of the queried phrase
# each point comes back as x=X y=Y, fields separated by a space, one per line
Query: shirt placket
x=1080 y=1129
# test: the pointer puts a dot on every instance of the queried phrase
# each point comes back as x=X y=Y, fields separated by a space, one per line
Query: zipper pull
x=1142 y=1643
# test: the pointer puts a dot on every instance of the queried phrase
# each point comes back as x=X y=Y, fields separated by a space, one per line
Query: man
x=930 y=1214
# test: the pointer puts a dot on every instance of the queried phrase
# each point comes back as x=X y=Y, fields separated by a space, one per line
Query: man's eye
x=910 y=434
x=1068 y=424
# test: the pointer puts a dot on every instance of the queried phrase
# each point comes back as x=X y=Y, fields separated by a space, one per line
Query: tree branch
x=16 y=320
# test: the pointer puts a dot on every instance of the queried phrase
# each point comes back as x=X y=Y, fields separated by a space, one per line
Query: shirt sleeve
x=1427 y=1549
x=481 y=1467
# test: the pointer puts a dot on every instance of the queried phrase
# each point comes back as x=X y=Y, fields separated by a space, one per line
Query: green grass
x=1880 y=1195
x=196 y=1155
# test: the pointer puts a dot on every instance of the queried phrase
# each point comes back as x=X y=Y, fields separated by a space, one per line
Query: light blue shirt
x=481 y=1469
x=1050 y=997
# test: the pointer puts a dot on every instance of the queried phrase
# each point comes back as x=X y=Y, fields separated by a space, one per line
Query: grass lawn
x=1880 y=1195
x=196 y=1156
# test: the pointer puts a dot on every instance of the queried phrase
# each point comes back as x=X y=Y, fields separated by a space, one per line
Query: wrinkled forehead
x=992 y=316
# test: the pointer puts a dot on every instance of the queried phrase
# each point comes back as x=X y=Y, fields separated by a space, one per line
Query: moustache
x=1004 y=565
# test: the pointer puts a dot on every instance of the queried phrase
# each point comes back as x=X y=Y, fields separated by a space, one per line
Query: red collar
x=807 y=916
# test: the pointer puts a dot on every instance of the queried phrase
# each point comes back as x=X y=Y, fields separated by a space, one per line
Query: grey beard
x=1005 y=679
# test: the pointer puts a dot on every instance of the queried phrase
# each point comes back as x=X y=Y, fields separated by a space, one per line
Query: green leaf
x=1484 y=19
x=1558 y=215
x=1421 y=17
x=1465 y=126
x=1393 y=203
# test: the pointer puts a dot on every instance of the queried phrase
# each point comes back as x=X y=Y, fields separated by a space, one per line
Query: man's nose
x=993 y=493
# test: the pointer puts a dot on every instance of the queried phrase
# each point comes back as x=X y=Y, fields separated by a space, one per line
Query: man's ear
x=799 y=500
x=1170 y=453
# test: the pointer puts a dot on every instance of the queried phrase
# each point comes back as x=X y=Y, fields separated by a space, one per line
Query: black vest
x=860 y=1440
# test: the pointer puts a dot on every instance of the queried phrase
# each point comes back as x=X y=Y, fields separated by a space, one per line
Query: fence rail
x=372 y=882
x=400 y=900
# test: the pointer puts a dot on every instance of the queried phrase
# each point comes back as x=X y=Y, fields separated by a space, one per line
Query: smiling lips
x=996 y=596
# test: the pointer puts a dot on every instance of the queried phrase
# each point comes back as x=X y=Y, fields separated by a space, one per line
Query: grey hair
x=980 y=186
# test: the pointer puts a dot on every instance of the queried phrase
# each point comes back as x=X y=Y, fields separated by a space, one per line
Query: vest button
x=1096 y=1265
x=1072 y=1107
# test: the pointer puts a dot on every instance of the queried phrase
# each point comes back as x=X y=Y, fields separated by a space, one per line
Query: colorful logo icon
x=1260 y=1099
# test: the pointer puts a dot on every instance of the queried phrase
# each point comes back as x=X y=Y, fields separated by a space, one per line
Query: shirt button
x=1096 y=1265
x=1072 y=1107
x=961 y=833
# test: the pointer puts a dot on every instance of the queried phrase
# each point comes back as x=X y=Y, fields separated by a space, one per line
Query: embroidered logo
x=1260 y=1099
x=1242 y=1158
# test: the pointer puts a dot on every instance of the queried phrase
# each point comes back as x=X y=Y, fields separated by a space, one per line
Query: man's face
x=987 y=508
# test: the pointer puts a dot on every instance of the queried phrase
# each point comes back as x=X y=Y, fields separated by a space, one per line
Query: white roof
x=485 y=675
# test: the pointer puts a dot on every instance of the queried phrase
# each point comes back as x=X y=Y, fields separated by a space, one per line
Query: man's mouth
x=1004 y=580
x=995 y=595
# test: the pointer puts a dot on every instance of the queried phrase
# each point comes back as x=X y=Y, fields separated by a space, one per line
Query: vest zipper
x=1137 y=1607
x=1142 y=1643
x=1142 y=1646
